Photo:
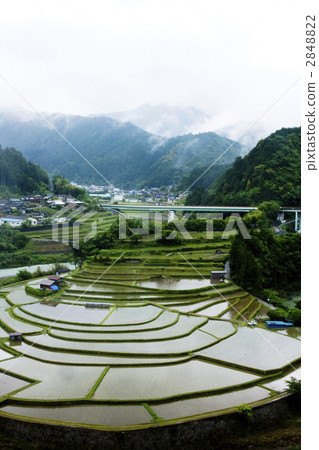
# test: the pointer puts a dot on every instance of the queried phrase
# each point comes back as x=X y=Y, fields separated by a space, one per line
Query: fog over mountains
x=163 y=120
x=123 y=153
x=170 y=121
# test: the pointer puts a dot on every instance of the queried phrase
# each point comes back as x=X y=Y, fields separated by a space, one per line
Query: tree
x=23 y=274
x=26 y=223
x=170 y=237
x=272 y=297
x=61 y=186
x=294 y=386
x=266 y=262
x=277 y=314
x=294 y=315
x=136 y=237
x=270 y=209
x=244 y=267
x=270 y=171
x=20 y=176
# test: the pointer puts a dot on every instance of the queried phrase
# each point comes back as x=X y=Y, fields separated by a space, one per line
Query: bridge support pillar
x=298 y=222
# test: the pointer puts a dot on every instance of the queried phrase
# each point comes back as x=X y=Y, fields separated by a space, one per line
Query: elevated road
x=237 y=209
x=205 y=209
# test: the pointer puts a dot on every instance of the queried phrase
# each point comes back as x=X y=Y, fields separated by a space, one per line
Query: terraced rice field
x=103 y=222
x=166 y=349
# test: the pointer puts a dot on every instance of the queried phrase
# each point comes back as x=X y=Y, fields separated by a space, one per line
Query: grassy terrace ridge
x=151 y=342
x=103 y=221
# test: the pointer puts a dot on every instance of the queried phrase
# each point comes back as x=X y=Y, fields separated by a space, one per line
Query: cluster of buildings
x=154 y=195
x=131 y=196
x=31 y=210
x=52 y=283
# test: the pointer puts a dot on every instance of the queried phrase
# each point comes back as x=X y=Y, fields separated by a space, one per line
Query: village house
x=55 y=278
x=55 y=203
x=218 y=275
x=48 y=284
x=16 y=221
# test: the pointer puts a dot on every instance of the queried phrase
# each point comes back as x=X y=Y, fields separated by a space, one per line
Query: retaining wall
x=179 y=435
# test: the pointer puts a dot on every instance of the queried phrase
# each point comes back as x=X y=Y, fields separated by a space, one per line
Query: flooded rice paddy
x=174 y=284
x=169 y=352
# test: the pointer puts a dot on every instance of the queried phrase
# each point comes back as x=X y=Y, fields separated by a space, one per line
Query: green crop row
x=39 y=293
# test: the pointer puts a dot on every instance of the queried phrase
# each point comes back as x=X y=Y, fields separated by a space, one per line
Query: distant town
x=38 y=209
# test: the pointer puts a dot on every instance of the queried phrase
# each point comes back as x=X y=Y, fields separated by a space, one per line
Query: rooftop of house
x=46 y=282
x=14 y=218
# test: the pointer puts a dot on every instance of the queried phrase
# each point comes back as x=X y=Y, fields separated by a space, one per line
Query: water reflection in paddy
x=257 y=348
x=147 y=382
x=204 y=405
x=80 y=359
x=9 y=384
x=87 y=287
x=121 y=415
x=281 y=385
x=173 y=283
x=63 y=373
x=57 y=381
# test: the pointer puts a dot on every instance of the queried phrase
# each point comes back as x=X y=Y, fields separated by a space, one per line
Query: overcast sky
x=231 y=59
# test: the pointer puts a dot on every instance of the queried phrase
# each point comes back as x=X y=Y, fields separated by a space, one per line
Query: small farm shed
x=55 y=278
x=17 y=336
x=48 y=284
x=218 y=274
x=62 y=270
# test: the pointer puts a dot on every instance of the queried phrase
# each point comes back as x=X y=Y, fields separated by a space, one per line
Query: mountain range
x=99 y=149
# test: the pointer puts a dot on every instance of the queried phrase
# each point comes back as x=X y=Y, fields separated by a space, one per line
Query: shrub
x=294 y=386
x=294 y=315
x=298 y=304
x=37 y=292
x=277 y=314
x=245 y=410
x=23 y=275
x=272 y=296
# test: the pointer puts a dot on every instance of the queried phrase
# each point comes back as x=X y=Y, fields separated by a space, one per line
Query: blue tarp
x=278 y=324
x=54 y=288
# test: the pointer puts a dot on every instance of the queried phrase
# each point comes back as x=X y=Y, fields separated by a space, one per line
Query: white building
x=16 y=221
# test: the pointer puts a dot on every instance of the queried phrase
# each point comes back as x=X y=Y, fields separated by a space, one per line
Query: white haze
x=231 y=60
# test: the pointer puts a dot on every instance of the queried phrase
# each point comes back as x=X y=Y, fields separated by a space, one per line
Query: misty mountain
x=163 y=120
x=122 y=153
x=246 y=133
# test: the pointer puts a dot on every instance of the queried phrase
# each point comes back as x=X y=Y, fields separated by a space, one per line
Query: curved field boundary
x=146 y=339
x=118 y=352
x=97 y=328
x=86 y=323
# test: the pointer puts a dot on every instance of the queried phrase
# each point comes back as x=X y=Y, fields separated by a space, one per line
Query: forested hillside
x=271 y=171
x=202 y=177
x=266 y=261
x=124 y=154
x=20 y=176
